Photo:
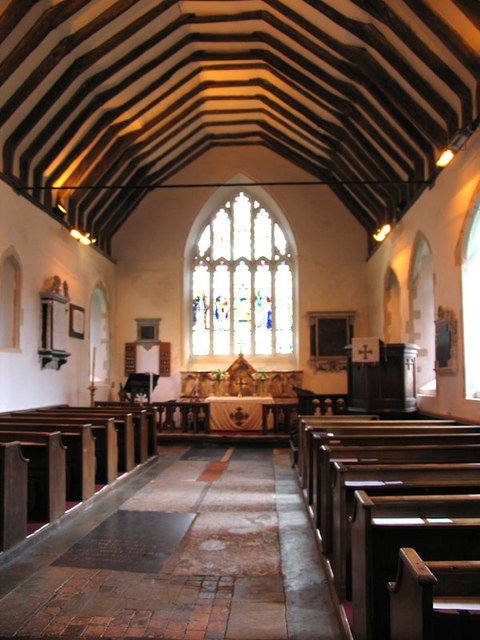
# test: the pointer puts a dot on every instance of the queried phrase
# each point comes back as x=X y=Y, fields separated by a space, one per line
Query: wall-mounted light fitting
x=84 y=238
x=382 y=232
x=457 y=142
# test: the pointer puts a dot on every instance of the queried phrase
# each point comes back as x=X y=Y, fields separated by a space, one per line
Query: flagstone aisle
x=205 y=543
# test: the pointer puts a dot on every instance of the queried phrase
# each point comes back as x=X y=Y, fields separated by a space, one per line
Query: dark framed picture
x=77 y=322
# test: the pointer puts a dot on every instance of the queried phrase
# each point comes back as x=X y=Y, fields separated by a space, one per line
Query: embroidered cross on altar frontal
x=239 y=416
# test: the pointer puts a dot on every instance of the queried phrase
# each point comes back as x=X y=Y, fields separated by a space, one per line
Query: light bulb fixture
x=445 y=158
x=84 y=238
x=382 y=232
x=456 y=143
x=61 y=208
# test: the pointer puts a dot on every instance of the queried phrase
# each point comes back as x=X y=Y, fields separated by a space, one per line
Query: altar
x=233 y=413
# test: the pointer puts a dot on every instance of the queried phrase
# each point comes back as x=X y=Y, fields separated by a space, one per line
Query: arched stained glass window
x=242 y=283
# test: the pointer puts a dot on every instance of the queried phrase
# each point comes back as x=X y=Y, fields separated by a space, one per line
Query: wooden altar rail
x=325 y=403
x=282 y=417
x=187 y=416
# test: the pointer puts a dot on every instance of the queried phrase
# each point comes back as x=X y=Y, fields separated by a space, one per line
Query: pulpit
x=385 y=383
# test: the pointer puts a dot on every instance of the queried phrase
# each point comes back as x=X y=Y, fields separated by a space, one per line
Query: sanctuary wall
x=152 y=275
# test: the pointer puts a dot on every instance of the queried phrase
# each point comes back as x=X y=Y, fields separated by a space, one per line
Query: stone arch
x=100 y=334
x=392 y=326
x=10 y=299
x=422 y=311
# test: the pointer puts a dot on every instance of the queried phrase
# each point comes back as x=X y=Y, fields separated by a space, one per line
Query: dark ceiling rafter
x=471 y=9
x=351 y=56
x=372 y=36
x=361 y=100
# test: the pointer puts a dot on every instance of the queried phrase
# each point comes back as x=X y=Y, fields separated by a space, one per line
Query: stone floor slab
x=256 y=621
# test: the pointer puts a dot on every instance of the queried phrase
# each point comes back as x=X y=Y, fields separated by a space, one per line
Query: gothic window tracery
x=242 y=283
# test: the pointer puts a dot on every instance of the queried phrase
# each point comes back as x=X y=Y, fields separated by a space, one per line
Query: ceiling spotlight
x=382 y=232
x=84 y=238
x=61 y=208
x=457 y=142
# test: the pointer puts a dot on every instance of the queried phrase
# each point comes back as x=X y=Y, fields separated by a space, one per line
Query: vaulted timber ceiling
x=103 y=100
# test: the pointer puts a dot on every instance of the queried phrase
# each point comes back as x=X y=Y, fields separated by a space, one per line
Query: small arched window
x=10 y=285
x=99 y=336
x=471 y=302
x=392 y=317
x=422 y=314
x=242 y=283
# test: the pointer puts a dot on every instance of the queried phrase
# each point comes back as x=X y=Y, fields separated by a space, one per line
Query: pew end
x=434 y=599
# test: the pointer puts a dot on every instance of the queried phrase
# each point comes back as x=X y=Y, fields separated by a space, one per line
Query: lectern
x=385 y=386
x=140 y=384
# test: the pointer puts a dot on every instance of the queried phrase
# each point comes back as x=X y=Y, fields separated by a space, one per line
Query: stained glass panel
x=201 y=310
x=237 y=306
x=263 y=235
x=221 y=235
x=284 y=309
x=242 y=309
x=263 y=309
x=204 y=242
x=221 y=310
x=242 y=227
x=280 y=240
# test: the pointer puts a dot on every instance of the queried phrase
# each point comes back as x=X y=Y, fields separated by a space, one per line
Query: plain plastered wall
x=440 y=215
x=44 y=249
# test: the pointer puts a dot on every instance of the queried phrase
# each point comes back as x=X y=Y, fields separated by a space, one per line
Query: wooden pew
x=338 y=432
x=384 y=436
x=438 y=527
x=151 y=411
x=80 y=452
x=395 y=454
x=394 y=426
x=104 y=431
x=45 y=453
x=317 y=423
x=378 y=480
x=13 y=495
x=144 y=421
x=146 y=439
x=434 y=600
x=141 y=437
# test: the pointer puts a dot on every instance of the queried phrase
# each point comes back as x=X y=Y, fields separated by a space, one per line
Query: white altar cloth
x=231 y=413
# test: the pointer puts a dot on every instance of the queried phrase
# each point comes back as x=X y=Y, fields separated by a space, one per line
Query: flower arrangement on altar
x=218 y=375
x=260 y=375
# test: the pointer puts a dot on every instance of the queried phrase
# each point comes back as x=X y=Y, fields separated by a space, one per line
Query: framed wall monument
x=53 y=339
x=76 y=325
x=445 y=342
x=330 y=333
